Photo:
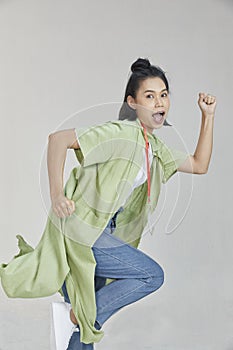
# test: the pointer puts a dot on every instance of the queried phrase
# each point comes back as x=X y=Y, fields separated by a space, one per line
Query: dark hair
x=141 y=70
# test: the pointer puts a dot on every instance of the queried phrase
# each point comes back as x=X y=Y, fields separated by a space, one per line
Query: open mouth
x=158 y=117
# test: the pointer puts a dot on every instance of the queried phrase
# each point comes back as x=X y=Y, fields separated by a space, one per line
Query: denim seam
x=141 y=270
x=121 y=297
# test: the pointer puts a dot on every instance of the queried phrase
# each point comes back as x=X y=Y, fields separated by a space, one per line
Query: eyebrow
x=154 y=91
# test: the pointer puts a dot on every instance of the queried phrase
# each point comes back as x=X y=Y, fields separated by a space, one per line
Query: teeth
x=161 y=113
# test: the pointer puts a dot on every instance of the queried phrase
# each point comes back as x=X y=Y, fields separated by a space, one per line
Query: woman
x=95 y=224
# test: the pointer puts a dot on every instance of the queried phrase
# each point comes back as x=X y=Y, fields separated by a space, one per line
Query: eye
x=150 y=96
x=164 y=94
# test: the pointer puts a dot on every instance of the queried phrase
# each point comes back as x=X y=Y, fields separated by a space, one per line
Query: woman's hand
x=62 y=206
x=207 y=104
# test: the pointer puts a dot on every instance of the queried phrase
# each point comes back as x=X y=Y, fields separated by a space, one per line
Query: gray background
x=59 y=57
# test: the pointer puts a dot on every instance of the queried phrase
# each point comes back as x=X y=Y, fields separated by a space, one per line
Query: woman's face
x=151 y=103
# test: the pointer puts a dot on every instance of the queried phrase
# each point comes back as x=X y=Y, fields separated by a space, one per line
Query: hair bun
x=140 y=64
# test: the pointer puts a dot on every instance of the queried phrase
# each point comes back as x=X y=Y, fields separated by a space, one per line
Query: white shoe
x=61 y=326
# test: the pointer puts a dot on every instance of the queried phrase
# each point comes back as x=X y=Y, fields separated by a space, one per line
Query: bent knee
x=157 y=277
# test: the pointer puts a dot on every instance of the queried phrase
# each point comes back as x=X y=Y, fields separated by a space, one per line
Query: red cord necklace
x=147 y=161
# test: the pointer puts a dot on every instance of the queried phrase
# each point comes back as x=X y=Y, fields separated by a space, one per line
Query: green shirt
x=110 y=156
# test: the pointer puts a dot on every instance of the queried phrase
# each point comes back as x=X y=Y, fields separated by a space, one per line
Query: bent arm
x=58 y=143
x=199 y=162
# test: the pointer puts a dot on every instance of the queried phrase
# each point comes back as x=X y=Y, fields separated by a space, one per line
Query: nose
x=158 y=101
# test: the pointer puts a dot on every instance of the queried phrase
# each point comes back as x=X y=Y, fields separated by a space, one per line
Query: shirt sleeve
x=97 y=144
x=171 y=159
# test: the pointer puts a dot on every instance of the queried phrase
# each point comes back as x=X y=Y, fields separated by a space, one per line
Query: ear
x=131 y=102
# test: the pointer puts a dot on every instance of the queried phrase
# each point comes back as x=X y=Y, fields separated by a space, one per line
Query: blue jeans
x=136 y=274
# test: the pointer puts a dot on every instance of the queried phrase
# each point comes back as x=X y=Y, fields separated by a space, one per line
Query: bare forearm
x=204 y=147
x=56 y=156
x=199 y=162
